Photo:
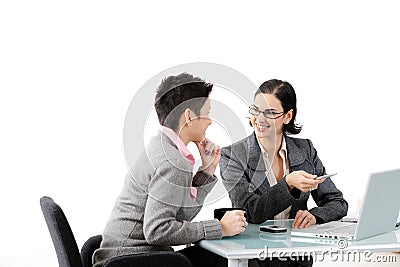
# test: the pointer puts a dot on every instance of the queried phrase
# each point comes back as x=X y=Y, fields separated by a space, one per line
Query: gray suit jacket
x=243 y=175
x=154 y=209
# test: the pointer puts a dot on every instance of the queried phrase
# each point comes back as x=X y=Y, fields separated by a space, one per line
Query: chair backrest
x=88 y=249
x=63 y=239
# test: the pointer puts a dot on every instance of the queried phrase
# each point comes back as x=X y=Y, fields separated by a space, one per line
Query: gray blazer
x=154 y=209
x=243 y=175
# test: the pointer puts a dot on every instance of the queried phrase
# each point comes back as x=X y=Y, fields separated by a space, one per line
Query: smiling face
x=266 y=127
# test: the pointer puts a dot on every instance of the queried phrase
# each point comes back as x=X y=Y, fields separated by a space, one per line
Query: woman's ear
x=288 y=117
x=187 y=114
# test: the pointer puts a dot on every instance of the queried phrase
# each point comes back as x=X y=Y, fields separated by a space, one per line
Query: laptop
x=379 y=212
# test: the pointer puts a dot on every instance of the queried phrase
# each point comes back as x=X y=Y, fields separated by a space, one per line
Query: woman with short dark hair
x=160 y=195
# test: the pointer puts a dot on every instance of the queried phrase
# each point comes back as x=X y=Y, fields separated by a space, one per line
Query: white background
x=68 y=71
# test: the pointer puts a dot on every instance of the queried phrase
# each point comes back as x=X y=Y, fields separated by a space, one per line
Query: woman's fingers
x=236 y=221
x=307 y=175
x=210 y=148
x=303 y=219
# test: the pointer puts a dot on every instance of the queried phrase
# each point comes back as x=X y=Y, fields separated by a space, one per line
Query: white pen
x=325 y=176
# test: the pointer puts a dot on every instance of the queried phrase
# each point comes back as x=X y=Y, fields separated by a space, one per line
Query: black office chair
x=88 y=249
x=68 y=254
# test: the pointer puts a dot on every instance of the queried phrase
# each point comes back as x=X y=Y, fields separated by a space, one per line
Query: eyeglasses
x=267 y=113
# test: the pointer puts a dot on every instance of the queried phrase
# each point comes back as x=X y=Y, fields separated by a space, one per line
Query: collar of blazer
x=256 y=162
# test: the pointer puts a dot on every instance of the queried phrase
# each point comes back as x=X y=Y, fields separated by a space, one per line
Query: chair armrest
x=88 y=249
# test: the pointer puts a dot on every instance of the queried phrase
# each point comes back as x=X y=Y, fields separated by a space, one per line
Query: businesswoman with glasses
x=272 y=174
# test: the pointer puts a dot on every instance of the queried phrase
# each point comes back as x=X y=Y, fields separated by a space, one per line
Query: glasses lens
x=273 y=115
x=270 y=114
x=254 y=111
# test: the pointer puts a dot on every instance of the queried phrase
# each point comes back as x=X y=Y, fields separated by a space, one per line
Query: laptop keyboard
x=348 y=229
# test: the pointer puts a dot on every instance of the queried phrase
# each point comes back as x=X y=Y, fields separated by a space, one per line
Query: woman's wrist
x=289 y=182
x=222 y=229
x=210 y=170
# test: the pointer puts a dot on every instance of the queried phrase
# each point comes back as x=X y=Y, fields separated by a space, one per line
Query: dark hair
x=177 y=93
x=286 y=94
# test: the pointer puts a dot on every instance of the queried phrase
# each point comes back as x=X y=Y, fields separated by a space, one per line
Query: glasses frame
x=265 y=113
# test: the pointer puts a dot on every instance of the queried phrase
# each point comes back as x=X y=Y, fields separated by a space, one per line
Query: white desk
x=253 y=244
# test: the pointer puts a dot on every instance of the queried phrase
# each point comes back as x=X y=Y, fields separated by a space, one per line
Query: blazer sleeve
x=204 y=184
x=168 y=192
x=243 y=194
x=331 y=204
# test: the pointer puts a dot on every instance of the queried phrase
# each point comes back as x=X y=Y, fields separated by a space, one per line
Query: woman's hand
x=233 y=222
x=304 y=219
x=303 y=181
x=210 y=155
